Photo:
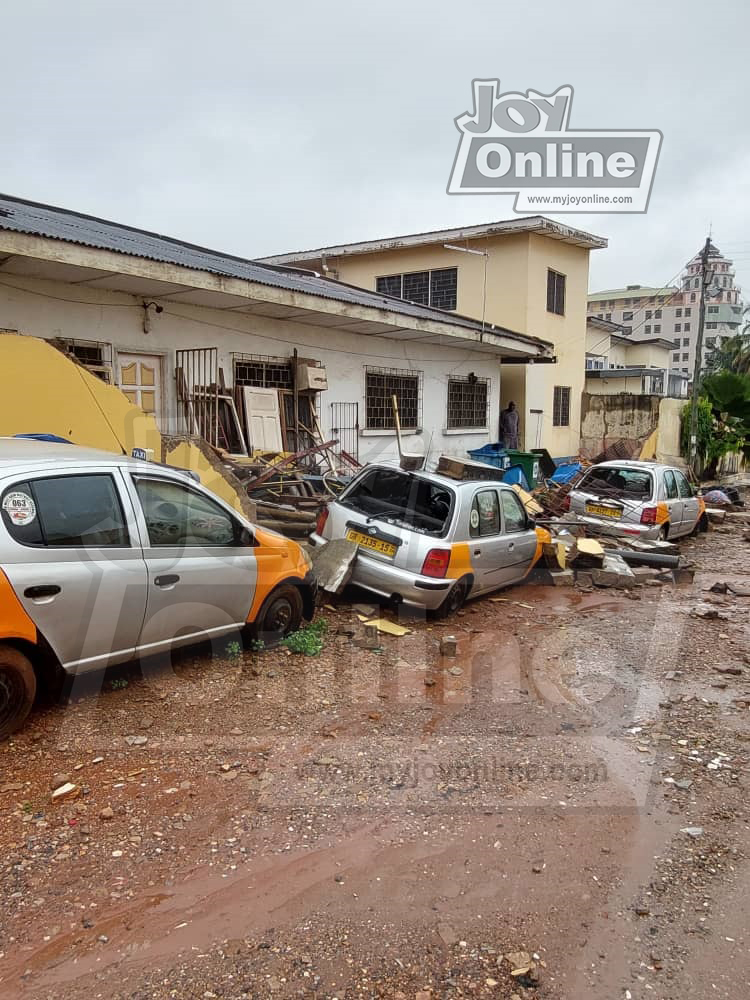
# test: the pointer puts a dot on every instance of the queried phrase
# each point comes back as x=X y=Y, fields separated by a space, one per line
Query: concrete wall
x=516 y=298
x=608 y=418
x=654 y=420
x=648 y=355
x=59 y=310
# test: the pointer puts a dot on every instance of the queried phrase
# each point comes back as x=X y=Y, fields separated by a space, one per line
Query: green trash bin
x=528 y=461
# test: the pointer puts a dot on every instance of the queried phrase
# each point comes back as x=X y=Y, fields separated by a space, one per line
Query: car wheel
x=454 y=600
x=279 y=616
x=664 y=532
x=17 y=689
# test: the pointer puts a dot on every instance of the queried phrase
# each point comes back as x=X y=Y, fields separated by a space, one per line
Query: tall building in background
x=671 y=313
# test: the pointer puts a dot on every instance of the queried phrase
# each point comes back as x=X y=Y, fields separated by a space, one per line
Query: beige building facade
x=524 y=274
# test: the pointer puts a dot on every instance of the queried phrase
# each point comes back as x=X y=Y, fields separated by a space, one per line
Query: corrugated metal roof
x=21 y=216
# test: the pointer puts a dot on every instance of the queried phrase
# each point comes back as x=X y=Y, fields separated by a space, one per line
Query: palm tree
x=732 y=354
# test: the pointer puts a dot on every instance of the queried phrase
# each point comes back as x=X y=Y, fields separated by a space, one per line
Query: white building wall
x=53 y=309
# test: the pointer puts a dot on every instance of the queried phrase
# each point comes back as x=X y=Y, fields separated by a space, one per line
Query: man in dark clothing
x=509 y=426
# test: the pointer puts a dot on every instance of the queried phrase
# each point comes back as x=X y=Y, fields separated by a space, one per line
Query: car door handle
x=43 y=590
x=511 y=544
x=168 y=580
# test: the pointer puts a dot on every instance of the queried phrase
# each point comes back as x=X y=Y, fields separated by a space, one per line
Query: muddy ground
x=571 y=789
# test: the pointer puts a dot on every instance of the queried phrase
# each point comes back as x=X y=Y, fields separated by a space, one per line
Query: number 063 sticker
x=20 y=508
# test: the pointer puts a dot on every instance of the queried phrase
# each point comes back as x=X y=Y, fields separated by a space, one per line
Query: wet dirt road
x=569 y=790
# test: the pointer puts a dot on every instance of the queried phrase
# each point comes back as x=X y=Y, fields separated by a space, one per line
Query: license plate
x=596 y=508
x=374 y=544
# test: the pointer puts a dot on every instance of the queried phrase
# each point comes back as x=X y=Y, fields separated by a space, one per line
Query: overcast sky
x=256 y=127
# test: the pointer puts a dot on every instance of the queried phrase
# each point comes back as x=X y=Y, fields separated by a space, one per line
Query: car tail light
x=321 y=522
x=648 y=515
x=436 y=562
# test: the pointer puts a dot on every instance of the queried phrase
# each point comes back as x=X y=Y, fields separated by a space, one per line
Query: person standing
x=509 y=426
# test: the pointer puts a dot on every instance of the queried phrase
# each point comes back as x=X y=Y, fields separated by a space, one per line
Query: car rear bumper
x=391 y=582
x=611 y=526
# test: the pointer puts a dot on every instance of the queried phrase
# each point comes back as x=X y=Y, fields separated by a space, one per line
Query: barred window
x=383 y=383
x=556 y=293
x=468 y=399
x=436 y=288
x=262 y=372
x=561 y=406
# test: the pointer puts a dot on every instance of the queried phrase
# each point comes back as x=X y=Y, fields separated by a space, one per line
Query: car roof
x=28 y=451
x=633 y=464
x=436 y=477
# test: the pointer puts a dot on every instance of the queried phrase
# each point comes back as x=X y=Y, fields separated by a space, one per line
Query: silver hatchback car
x=638 y=498
x=429 y=541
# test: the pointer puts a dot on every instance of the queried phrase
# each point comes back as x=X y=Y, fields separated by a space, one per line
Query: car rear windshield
x=618 y=483
x=403 y=499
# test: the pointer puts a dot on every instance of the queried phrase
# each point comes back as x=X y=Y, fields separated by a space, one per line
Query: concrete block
x=615 y=572
x=333 y=564
x=715 y=515
x=584 y=578
x=683 y=576
x=563 y=577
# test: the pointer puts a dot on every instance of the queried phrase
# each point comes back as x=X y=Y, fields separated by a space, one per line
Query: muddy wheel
x=279 y=616
x=17 y=690
x=454 y=600
x=664 y=532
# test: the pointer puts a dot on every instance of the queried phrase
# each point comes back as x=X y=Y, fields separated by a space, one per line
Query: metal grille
x=468 y=402
x=345 y=428
x=262 y=372
x=438 y=288
x=196 y=374
x=383 y=383
x=561 y=406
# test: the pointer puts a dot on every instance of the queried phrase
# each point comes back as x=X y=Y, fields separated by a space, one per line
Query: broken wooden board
x=532 y=507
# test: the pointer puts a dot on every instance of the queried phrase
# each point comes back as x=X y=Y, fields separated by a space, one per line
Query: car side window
x=176 y=515
x=66 y=511
x=670 y=484
x=484 y=518
x=683 y=486
x=514 y=515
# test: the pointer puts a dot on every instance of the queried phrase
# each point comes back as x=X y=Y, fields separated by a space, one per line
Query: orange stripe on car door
x=14 y=621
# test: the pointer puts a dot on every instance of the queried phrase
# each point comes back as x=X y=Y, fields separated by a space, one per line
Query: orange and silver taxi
x=644 y=499
x=106 y=558
x=431 y=542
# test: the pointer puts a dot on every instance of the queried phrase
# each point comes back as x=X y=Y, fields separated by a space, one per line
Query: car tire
x=279 y=616
x=701 y=525
x=664 y=532
x=454 y=600
x=17 y=690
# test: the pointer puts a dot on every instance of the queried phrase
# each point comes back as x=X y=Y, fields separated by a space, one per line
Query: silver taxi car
x=644 y=499
x=104 y=558
x=428 y=541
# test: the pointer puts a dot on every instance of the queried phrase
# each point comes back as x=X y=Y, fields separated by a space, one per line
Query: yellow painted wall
x=43 y=391
x=648 y=355
x=517 y=299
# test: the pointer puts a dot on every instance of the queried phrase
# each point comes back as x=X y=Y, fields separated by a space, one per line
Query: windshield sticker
x=20 y=508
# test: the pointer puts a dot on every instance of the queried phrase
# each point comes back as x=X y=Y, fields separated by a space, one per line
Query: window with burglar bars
x=561 y=406
x=556 y=292
x=262 y=372
x=92 y=354
x=468 y=401
x=381 y=384
x=438 y=288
